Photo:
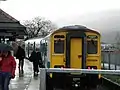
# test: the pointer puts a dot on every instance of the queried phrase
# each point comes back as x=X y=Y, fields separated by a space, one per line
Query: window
x=92 y=47
x=59 y=46
x=43 y=47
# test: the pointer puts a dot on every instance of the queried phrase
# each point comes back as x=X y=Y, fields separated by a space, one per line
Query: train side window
x=43 y=48
x=59 y=46
x=92 y=47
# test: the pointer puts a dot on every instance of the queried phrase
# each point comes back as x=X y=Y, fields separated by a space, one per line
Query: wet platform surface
x=22 y=82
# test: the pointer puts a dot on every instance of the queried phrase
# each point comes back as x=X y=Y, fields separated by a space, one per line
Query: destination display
x=92 y=37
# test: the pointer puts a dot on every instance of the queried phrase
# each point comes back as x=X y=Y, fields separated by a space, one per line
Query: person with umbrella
x=7 y=68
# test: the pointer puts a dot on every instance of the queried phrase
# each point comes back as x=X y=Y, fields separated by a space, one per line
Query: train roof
x=76 y=28
x=32 y=40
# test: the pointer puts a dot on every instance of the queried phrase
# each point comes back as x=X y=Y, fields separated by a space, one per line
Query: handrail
x=43 y=72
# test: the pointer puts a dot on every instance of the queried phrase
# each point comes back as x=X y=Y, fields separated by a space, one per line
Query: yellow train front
x=74 y=47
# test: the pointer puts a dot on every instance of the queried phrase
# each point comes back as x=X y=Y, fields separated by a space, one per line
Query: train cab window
x=59 y=46
x=92 y=47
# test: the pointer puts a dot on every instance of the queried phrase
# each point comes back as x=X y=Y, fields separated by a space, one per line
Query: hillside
x=110 y=37
x=106 y=22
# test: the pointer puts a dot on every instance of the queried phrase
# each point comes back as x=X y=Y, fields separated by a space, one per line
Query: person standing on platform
x=20 y=54
x=7 y=69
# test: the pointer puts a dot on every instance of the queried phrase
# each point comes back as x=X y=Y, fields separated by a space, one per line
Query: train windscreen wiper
x=93 y=42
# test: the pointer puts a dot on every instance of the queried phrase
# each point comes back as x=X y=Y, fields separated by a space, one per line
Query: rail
x=43 y=72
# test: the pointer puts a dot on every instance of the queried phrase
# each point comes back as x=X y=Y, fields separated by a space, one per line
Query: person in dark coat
x=37 y=60
x=39 y=56
x=20 y=55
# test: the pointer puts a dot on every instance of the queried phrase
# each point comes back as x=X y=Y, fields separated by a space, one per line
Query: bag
x=30 y=59
x=41 y=65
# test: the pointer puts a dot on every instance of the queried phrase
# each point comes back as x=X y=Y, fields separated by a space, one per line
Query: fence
x=111 y=60
x=87 y=71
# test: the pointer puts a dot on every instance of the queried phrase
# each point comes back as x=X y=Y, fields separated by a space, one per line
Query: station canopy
x=10 y=27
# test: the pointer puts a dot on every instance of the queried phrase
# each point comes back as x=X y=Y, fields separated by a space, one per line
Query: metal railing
x=111 y=58
x=43 y=72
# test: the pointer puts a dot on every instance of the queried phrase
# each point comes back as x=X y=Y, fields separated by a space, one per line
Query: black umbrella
x=5 y=47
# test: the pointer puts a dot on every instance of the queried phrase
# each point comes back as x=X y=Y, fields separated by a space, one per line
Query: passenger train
x=75 y=47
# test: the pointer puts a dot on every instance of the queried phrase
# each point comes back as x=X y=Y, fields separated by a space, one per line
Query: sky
x=58 y=11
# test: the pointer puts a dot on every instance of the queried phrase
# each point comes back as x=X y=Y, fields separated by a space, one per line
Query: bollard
x=42 y=79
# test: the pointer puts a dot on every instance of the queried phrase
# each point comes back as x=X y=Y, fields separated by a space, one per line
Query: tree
x=39 y=27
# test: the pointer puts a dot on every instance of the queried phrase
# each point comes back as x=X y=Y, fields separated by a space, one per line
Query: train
x=76 y=47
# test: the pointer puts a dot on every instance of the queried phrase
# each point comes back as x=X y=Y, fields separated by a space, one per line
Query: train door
x=76 y=53
x=76 y=50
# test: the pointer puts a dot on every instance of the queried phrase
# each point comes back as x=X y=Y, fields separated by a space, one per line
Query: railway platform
x=22 y=82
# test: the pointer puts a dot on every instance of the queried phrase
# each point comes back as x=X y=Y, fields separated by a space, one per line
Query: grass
x=114 y=78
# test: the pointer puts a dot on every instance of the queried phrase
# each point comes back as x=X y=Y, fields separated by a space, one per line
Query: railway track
x=106 y=84
x=98 y=88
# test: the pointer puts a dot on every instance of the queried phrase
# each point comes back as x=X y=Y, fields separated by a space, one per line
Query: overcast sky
x=58 y=11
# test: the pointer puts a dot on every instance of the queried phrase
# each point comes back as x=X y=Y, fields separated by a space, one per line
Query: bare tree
x=39 y=27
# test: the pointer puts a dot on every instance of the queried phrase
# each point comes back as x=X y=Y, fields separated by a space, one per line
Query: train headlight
x=76 y=85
